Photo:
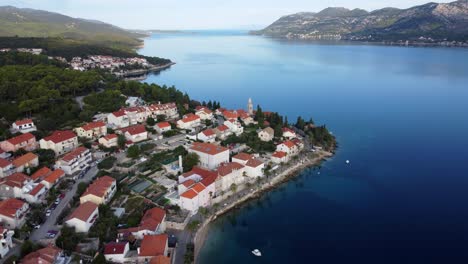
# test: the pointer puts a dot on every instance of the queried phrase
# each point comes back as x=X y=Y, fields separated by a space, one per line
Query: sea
x=400 y=115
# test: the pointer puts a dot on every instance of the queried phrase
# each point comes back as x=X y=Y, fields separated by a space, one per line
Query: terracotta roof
x=110 y=136
x=204 y=109
x=198 y=187
x=227 y=168
x=243 y=156
x=153 y=245
x=114 y=248
x=54 y=176
x=208 y=180
x=155 y=107
x=189 y=194
x=59 y=136
x=152 y=218
x=41 y=173
x=163 y=124
x=23 y=122
x=190 y=118
x=188 y=183
x=9 y=207
x=99 y=187
x=289 y=144
x=222 y=128
x=279 y=154
x=84 y=211
x=26 y=158
x=74 y=154
x=160 y=260
x=93 y=125
x=119 y=113
x=4 y=163
x=208 y=132
x=287 y=129
x=230 y=115
x=199 y=171
x=17 y=179
x=208 y=148
x=37 y=189
x=254 y=163
x=21 y=138
x=134 y=130
x=46 y=255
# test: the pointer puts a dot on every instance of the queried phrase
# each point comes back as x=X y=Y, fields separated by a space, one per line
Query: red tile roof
x=230 y=115
x=4 y=163
x=46 y=255
x=204 y=109
x=110 y=136
x=74 y=154
x=188 y=183
x=23 y=122
x=198 y=187
x=189 y=194
x=21 y=138
x=9 y=207
x=289 y=144
x=41 y=173
x=190 y=118
x=59 y=136
x=279 y=154
x=254 y=163
x=37 y=189
x=287 y=129
x=26 y=158
x=17 y=179
x=99 y=187
x=153 y=245
x=114 y=248
x=134 y=130
x=119 y=113
x=54 y=176
x=199 y=171
x=163 y=124
x=160 y=260
x=208 y=132
x=227 y=168
x=243 y=156
x=222 y=128
x=84 y=211
x=150 y=221
x=208 y=148
x=93 y=125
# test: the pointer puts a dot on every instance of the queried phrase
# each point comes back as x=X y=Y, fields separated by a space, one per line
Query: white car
x=37 y=226
x=48 y=212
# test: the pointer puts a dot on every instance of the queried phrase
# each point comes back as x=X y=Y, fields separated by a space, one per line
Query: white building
x=279 y=157
x=204 y=113
x=18 y=185
x=6 y=168
x=116 y=252
x=169 y=111
x=76 y=161
x=189 y=121
x=109 y=141
x=162 y=127
x=60 y=142
x=211 y=156
x=222 y=132
x=194 y=198
x=24 y=126
x=289 y=147
x=234 y=126
x=266 y=134
x=289 y=133
x=134 y=133
x=83 y=217
x=6 y=244
x=153 y=222
x=92 y=130
x=230 y=174
x=13 y=213
x=118 y=119
x=100 y=191
x=53 y=178
x=207 y=135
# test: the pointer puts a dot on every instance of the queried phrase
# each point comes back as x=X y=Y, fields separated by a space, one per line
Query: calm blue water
x=401 y=118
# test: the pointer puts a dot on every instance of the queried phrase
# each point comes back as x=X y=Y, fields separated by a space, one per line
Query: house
x=230 y=115
x=253 y=167
x=245 y=117
x=6 y=168
x=162 y=127
x=134 y=101
x=6 y=236
x=53 y=178
x=153 y=222
x=207 y=135
x=13 y=213
x=152 y=246
x=289 y=133
x=37 y=194
x=189 y=121
x=60 y=142
x=267 y=134
x=109 y=141
x=137 y=114
x=234 y=126
x=195 y=197
x=3 y=154
x=211 y=156
x=92 y=130
x=230 y=173
x=134 y=133
x=169 y=110
x=222 y=132
x=47 y=255
x=279 y=157
x=83 y=217
x=75 y=161
x=118 y=119
x=289 y=147
x=24 y=126
x=19 y=185
x=204 y=113
x=26 y=141
x=116 y=252
x=28 y=160
x=100 y=191
x=40 y=174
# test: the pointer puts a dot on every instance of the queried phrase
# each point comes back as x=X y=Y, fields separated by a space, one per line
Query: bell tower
x=250 y=106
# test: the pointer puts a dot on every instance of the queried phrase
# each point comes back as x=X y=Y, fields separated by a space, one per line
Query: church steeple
x=250 y=106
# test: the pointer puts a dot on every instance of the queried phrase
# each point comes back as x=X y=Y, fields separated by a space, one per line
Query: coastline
x=141 y=72
x=292 y=171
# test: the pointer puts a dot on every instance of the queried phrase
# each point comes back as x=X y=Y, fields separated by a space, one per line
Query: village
x=144 y=168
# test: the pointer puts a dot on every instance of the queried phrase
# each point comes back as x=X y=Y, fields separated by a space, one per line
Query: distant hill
x=24 y=22
x=431 y=22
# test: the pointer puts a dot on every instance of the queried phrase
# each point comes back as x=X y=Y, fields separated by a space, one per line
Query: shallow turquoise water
x=400 y=115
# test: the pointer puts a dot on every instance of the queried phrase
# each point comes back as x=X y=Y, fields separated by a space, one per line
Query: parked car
x=37 y=226
x=48 y=212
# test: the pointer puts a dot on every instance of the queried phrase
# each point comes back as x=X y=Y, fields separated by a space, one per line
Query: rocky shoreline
x=292 y=171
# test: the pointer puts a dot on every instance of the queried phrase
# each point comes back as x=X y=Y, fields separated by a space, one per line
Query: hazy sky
x=196 y=14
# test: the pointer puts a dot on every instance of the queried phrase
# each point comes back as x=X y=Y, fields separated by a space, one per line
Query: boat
x=257 y=252
x=347 y=161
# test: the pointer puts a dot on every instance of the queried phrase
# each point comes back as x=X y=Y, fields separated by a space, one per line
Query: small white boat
x=347 y=161
x=257 y=252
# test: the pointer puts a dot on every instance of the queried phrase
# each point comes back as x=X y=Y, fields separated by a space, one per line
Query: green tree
x=121 y=140
x=100 y=259
x=133 y=152
x=189 y=161
x=150 y=121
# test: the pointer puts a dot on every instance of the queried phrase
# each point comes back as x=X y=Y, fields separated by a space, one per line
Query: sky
x=197 y=14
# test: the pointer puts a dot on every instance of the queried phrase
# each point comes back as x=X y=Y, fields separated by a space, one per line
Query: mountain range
x=432 y=22
x=25 y=22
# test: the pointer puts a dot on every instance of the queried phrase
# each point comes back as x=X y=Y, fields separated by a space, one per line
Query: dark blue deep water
x=401 y=117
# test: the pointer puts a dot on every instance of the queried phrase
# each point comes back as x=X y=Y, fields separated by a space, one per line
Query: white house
x=168 y=110
x=100 y=191
x=162 y=127
x=116 y=252
x=289 y=147
x=6 y=244
x=234 y=126
x=289 y=133
x=230 y=173
x=253 y=166
x=25 y=162
x=194 y=198
x=76 y=161
x=189 y=121
x=60 y=142
x=134 y=133
x=204 y=113
x=92 y=130
x=266 y=134
x=207 y=135
x=83 y=217
x=211 y=156
x=24 y=126
x=13 y=213
x=279 y=157
x=53 y=178
x=19 y=185
x=6 y=168
x=153 y=222
x=118 y=119
x=222 y=132
x=109 y=141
